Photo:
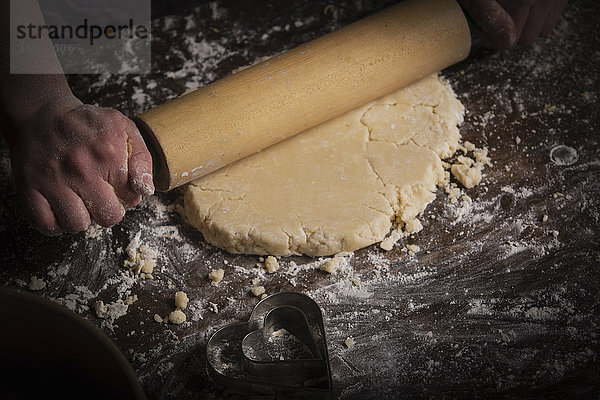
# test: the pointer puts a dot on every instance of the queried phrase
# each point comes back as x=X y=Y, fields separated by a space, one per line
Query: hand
x=512 y=22
x=74 y=162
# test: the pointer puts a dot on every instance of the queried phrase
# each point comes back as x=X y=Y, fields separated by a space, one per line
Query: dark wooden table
x=500 y=301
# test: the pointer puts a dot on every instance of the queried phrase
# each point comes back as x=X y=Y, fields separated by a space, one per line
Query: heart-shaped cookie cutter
x=249 y=357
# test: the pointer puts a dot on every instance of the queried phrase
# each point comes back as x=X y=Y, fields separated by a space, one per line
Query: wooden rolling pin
x=243 y=113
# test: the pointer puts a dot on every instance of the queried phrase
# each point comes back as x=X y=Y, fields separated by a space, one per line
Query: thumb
x=494 y=20
x=519 y=11
x=139 y=163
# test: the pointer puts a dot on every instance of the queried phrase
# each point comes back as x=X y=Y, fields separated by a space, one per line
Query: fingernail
x=148 y=184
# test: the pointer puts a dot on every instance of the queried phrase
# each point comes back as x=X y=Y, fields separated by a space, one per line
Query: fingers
x=139 y=163
x=553 y=15
x=69 y=209
x=60 y=209
x=494 y=20
x=118 y=180
x=84 y=163
x=519 y=11
x=534 y=24
x=533 y=18
x=102 y=203
x=39 y=212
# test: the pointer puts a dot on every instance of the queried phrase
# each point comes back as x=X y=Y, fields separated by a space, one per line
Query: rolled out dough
x=337 y=187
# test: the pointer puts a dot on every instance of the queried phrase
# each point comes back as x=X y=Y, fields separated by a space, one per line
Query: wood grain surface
x=499 y=302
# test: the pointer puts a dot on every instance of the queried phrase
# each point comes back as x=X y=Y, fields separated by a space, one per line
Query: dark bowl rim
x=46 y=305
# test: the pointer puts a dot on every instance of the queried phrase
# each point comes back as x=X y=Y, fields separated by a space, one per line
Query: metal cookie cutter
x=281 y=350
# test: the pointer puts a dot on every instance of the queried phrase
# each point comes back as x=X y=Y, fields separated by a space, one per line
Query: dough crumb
x=271 y=264
x=181 y=300
x=468 y=171
x=481 y=157
x=20 y=282
x=216 y=276
x=332 y=265
x=177 y=317
x=411 y=249
x=258 y=290
x=280 y=332
x=349 y=342
x=469 y=146
x=101 y=309
x=413 y=226
x=454 y=192
x=36 y=284
x=110 y=311
x=545 y=218
x=388 y=243
x=94 y=231
x=466 y=174
x=141 y=259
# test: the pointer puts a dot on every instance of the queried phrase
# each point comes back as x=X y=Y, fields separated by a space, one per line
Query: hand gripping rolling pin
x=251 y=110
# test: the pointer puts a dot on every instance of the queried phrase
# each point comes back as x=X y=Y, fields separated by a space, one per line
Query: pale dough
x=337 y=187
x=181 y=300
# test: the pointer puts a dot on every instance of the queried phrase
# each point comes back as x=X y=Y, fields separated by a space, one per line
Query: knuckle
x=77 y=164
x=117 y=151
x=111 y=152
x=109 y=149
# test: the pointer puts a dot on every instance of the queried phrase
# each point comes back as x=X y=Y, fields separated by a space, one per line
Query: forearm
x=24 y=95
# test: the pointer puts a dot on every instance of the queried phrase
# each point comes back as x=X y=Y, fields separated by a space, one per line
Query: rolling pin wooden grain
x=251 y=110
